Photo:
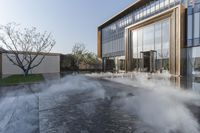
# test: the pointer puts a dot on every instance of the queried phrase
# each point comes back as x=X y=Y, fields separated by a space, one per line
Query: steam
x=159 y=104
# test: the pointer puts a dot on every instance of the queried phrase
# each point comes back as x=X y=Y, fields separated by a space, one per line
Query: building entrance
x=148 y=61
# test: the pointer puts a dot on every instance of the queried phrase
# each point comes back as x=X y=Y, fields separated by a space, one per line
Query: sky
x=70 y=21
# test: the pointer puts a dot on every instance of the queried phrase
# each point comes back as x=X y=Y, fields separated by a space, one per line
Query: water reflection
x=186 y=82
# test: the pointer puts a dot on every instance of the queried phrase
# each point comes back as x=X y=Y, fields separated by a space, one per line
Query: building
x=50 y=64
x=153 y=36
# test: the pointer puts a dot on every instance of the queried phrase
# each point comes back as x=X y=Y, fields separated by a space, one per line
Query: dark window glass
x=190 y=30
x=197 y=8
x=190 y=10
x=196 y=28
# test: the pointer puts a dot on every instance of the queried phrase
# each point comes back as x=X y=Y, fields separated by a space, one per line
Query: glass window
x=148 y=34
x=158 y=39
x=134 y=43
x=190 y=37
x=140 y=47
x=165 y=44
x=162 y=4
x=140 y=41
x=157 y=5
x=158 y=45
x=196 y=59
x=136 y=15
x=141 y=14
x=171 y=1
x=153 y=7
x=166 y=3
x=144 y=12
x=165 y=39
x=148 y=10
x=190 y=10
x=130 y=19
x=197 y=8
x=135 y=49
x=196 y=28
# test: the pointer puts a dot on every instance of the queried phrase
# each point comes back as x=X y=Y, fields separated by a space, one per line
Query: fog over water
x=157 y=103
x=19 y=107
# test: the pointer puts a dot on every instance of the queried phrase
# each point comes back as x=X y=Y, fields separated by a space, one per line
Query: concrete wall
x=50 y=64
x=0 y=64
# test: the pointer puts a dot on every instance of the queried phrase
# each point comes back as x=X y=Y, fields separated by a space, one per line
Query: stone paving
x=30 y=109
x=81 y=112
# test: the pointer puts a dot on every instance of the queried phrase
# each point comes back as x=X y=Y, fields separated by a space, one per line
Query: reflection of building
x=153 y=36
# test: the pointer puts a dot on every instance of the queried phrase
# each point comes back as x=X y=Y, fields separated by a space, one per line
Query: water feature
x=124 y=102
x=160 y=102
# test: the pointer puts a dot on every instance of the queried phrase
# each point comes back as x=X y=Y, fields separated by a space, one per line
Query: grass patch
x=20 y=79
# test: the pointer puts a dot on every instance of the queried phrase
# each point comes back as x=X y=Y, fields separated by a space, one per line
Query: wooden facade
x=99 y=45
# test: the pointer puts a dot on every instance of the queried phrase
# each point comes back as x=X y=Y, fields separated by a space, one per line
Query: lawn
x=19 y=79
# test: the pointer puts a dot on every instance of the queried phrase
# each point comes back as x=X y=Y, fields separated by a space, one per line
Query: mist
x=19 y=109
x=159 y=104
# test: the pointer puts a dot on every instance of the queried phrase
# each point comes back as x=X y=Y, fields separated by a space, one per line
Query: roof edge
x=118 y=14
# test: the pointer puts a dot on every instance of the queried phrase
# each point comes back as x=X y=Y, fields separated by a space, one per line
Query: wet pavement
x=83 y=105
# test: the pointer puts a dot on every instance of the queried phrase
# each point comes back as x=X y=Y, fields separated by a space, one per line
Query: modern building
x=153 y=36
x=50 y=64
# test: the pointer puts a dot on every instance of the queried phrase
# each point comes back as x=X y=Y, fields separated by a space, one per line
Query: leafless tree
x=79 y=51
x=91 y=59
x=82 y=55
x=25 y=47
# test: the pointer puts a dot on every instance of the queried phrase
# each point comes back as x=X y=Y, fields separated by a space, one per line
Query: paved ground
x=72 y=105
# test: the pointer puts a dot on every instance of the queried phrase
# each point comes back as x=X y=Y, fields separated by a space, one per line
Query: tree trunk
x=26 y=72
x=78 y=65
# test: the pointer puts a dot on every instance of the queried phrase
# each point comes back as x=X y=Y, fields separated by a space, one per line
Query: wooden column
x=99 y=45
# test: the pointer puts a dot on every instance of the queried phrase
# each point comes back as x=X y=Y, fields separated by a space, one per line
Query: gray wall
x=50 y=64
x=0 y=63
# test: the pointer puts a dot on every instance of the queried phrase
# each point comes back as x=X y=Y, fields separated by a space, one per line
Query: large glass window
x=157 y=5
x=154 y=38
x=190 y=36
x=148 y=10
x=135 y=49
x=196 y=28
x=153 y=7
x=134 y=44
x=166 y=2
x=158 y=45
x=171 y=1
x=140 y=41
x=162 y=2
x=115 y=30
x=195 y=60
x=148 y=38
x=140 y=47
x=165 y=44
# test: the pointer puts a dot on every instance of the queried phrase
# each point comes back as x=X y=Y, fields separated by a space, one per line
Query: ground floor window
x=194 y=60
x=114 y=64
x=151 y=45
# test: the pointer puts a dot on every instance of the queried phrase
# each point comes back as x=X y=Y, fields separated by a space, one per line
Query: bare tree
x=26 y=48
x=79 y=51
x=82 y=55
x=91 y=59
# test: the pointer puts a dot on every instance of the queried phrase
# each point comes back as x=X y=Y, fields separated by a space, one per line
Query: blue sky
x=70 y=21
